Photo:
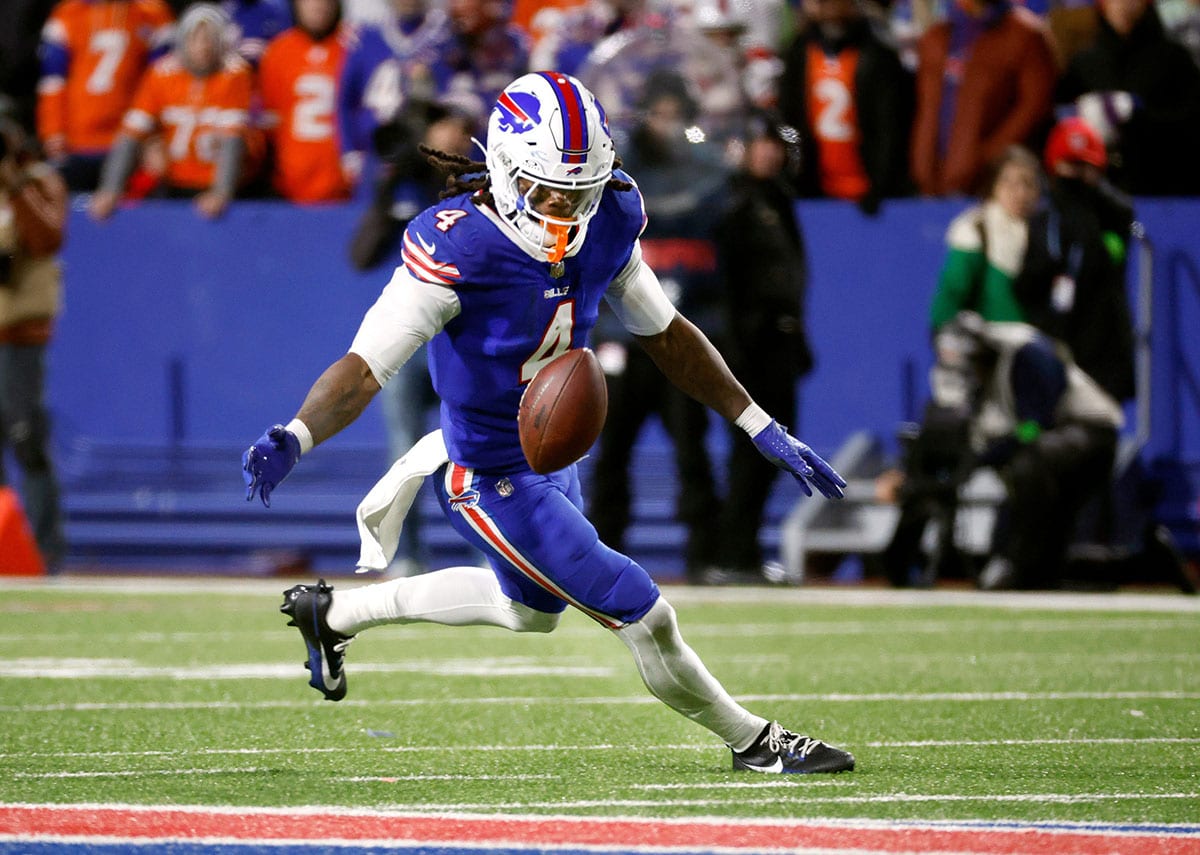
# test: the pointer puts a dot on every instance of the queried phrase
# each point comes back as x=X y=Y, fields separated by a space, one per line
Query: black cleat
x=307 y=606
x=779 y=751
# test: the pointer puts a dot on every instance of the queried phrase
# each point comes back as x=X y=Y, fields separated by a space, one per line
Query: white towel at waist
x=381 y=513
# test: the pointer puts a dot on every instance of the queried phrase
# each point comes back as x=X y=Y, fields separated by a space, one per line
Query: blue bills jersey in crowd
x=384 y=65
x=515 y=314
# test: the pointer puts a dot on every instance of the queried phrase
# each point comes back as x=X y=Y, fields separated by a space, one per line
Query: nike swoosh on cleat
x=331 y=682
x=777 y=766
x=428 y=247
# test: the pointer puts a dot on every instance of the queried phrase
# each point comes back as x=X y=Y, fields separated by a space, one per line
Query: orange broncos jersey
x=298 y=79
x=833 y=117
x=93 y=53
x=193 y=114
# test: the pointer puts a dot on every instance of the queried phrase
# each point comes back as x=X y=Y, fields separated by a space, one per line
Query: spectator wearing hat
x=198 y=98
x=1072 y=286
x=1140 y=90
x=763 y=270
x=1072 y=282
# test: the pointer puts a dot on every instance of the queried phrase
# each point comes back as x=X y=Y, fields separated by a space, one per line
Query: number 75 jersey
x=515 y=316
x=193 y=114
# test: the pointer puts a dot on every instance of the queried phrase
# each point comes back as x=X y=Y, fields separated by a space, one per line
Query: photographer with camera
x=1028 y=412
x=405 y=184
x=33 y=213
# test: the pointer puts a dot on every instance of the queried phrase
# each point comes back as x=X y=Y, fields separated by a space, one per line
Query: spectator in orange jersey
x=199 y=99
x=985 y=81
x=298 y=78
x=93 y=52
x=846 y=90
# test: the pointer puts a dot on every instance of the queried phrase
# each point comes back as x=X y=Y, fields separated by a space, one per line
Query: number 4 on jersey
x=555 y=341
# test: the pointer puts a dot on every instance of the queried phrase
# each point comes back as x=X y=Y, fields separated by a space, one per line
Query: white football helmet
x=548 y=137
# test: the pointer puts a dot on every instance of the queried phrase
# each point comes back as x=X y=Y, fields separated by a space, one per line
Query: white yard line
x=1126 y=601
x=882 y=697
x=126 y=632
x=801 y=793
x=137 y=773
x=89 y=669
x=384 y=747
x=394 y=779
x=79 y=668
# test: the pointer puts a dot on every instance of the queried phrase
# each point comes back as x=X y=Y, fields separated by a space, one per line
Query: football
x=562 y=410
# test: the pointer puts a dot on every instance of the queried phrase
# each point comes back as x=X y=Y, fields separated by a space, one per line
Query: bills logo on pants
x=544 y=551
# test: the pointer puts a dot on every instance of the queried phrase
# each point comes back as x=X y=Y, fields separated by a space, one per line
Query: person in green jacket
x=987 y=242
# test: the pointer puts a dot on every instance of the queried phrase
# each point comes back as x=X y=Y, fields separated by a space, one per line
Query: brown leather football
x=562 y=411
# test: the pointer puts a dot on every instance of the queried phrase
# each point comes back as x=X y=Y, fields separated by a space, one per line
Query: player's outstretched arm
x=688 y=359
x=338 y=397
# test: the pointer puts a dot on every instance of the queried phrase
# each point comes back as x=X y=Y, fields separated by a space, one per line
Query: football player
x=500 y=277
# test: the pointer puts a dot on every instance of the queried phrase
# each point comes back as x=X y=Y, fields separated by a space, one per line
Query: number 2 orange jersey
x=298 y=78
x=193 y=113
x=93 y=53
x=833 y=116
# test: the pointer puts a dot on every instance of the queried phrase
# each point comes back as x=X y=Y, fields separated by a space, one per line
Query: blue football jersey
x=516 y=316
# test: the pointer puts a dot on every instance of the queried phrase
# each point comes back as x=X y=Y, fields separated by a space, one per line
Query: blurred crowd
x=724 y=111
x=313 y=100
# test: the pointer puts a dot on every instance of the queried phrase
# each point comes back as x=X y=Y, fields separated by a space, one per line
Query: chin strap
x=560 y=233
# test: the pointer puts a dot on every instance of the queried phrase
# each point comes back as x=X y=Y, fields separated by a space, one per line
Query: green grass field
x=958 y=706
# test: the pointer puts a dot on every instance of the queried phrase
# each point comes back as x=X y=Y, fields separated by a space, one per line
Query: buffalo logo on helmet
x=519 y=112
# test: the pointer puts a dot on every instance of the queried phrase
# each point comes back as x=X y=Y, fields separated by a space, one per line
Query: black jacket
x=1156 y=154
x=1070 y=237
x=764 y=273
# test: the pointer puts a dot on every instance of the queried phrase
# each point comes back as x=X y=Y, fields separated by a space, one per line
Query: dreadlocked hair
x=456 y=166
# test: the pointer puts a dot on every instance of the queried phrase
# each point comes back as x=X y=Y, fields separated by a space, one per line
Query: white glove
x=1106 y=112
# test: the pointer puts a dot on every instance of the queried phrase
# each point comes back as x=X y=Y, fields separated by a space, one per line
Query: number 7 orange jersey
x=298 y=78
x=193 y=113
x=92 y=56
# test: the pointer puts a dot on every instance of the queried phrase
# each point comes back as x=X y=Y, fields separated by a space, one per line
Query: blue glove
x=269 y=461
x=791 y=455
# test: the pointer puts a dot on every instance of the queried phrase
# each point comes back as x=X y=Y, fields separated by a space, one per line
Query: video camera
x=938 y=457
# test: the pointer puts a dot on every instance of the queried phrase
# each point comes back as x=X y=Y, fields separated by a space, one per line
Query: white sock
x=455 y=596
x=675 y=675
